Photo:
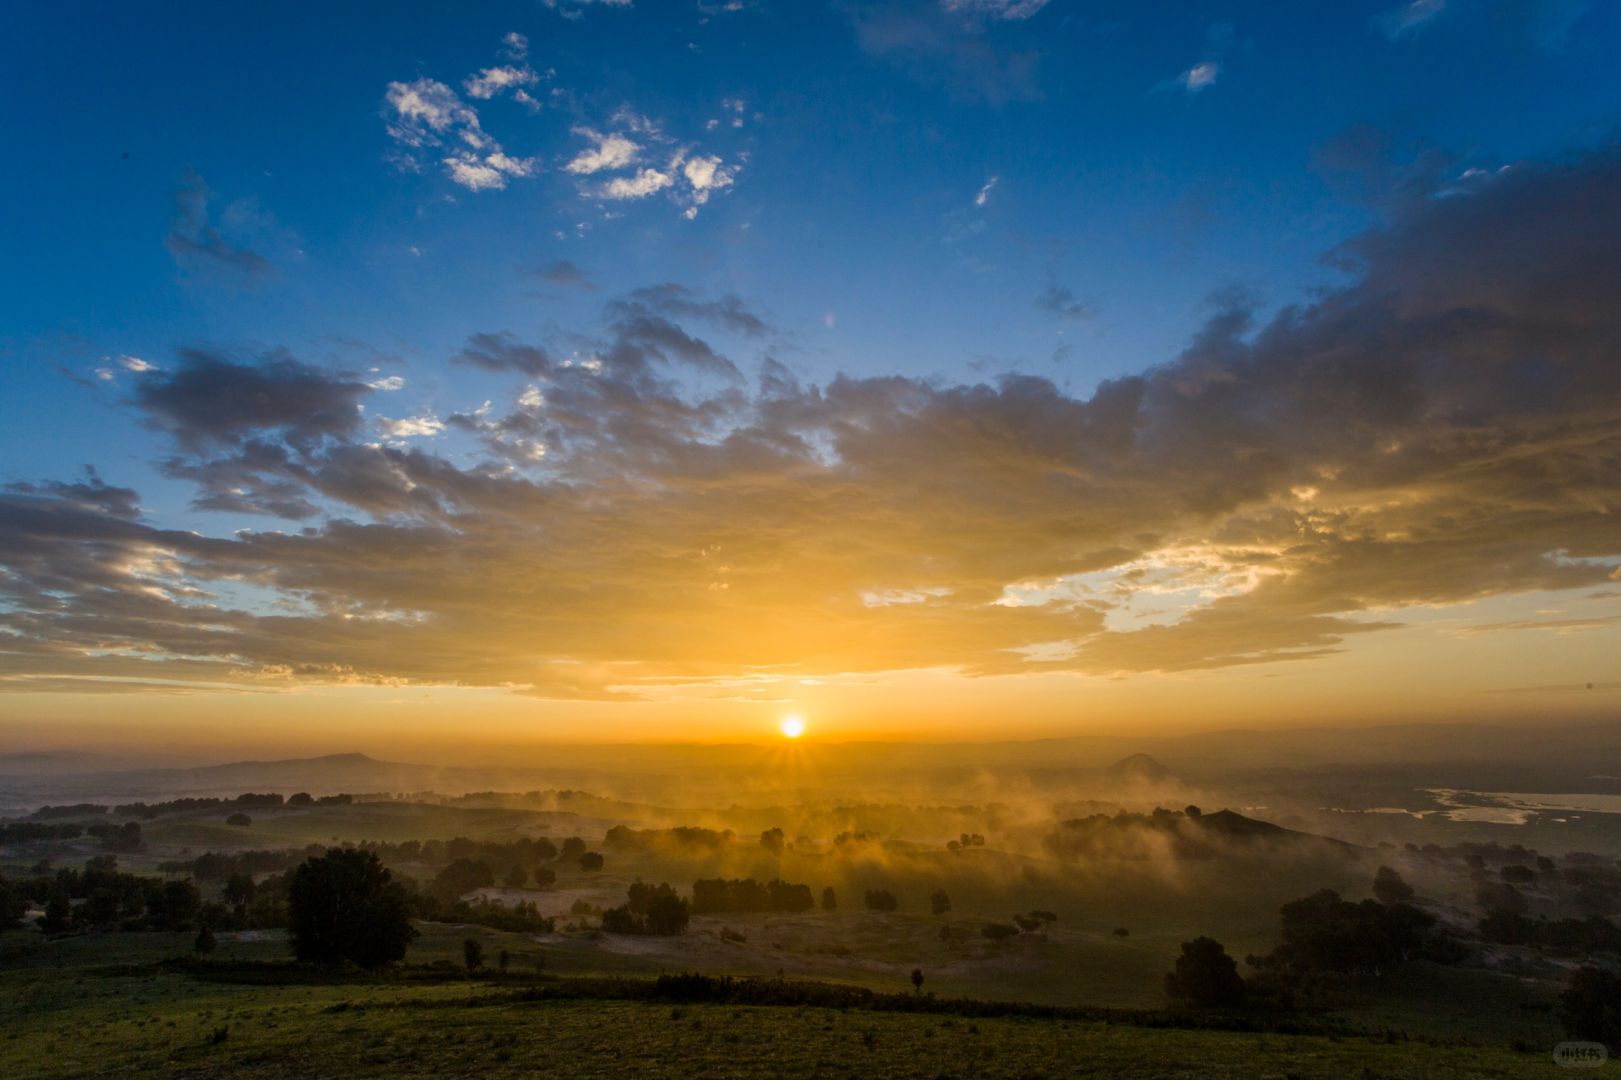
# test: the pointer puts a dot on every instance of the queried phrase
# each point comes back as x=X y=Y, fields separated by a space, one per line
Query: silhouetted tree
x=881 y=900
x=345 y=906
x=302 y=798
x=205 y=942
x=590 y=860
x=1500 y=896
x=239 y=819
x=174 y=906
x=544 y=877
x=773 y=840
x=917 y=980
x=939 y=902
x=830 y=899
x=996 y=932
x=472 y=954
x=1205 y=976
x=58 y=912
x=516 y=877
x=1590 y=1007
x=461 y=877
x=1389 y=888
x=13 y=905
x=572 y=848
x=239 y=890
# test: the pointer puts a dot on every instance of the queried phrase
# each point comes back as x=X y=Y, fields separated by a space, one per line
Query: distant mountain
x=1139 y=769
x=1178 y=835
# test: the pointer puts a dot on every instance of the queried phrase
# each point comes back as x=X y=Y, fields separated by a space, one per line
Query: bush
x=939 y=902
x=830 y=899
x=881 y=900
x=205 y=942
x=1205 y=976
x=345 y=906
x=997 y=933
x=472 y=954
x=1590 y=1007
x=1390 y=888
x=590 y=860
x=240 y=820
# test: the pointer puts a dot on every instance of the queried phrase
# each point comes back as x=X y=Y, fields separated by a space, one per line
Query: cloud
x=1406 y=20
x=994 y=9
x=426 y=116
x=643 y=183
x=576 y=9
x=565 y=274
x=1444 y=427
x=1200 y=76
x=207 y=399
x=610 y=151
x=410 y=427
x=984 y=195
x=194 y=240
x=492 y=80
x=1060 y=301
x=962 y=47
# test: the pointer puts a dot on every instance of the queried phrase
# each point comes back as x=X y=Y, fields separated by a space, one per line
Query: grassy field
x=106 y=1005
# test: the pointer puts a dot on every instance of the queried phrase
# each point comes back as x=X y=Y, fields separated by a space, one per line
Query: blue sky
x=951 y=191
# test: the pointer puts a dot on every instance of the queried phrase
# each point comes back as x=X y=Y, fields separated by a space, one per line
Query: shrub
x=881 y=900
x=345 y=906
x=240 y=820
x=1205 y=976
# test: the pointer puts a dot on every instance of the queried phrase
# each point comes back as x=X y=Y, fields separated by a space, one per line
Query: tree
x=58 y=910
x=1390 y=888
x=1205 y=976
x=205 y=941
x=13 y=905
x=1590 y=1007
x=881 y=900
x=503 y=960
x=239 y=890
x=772 y=840
x=302 y=798
x=996 y=932
x=590 y=860
x=472 y=955
x=239 y=819
x=544 y=877
x=345 y=906
x=516 y=877
x=830 y=899
x=572 y=848
x=461 y=877
x=939 y=902
x=917 y=980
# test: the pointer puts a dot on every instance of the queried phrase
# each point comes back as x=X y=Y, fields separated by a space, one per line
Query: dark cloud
x=209 y=400
x=194 y=240
x=1446 y=427
x=974 y=58
x=565 y=274
x=1059 y=301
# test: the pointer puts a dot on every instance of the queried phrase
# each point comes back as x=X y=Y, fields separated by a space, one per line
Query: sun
x=792 y=727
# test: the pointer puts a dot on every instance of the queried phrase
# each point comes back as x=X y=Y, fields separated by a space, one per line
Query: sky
x=439 y=375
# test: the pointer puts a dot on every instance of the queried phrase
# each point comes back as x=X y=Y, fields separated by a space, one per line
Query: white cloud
x=611 y=151
x=574 y=9
x=643 y=184
x=426 y=114
x=994 y=9
x=136 y=364
x=390 y=382
x=1200 y=76
x=984 y=195
x=410 y=426
x=706 y=175
x=1407 y=19
x=492 y=80
x=515 y=45
x=425 y=110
